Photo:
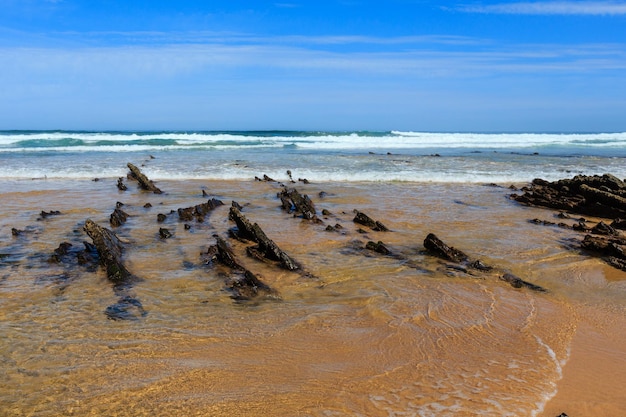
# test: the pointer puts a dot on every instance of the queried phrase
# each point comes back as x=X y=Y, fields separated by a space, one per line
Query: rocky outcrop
x=144 y=182
x=365 y=220
x=265 y=249
x=299 y=204
x=600 y=196
x=110 y=250
x=200 y=211
x=118 y=217
x=241 y=283
x=463 y=263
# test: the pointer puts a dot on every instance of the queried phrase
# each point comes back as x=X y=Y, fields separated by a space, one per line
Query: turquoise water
x=318 y=156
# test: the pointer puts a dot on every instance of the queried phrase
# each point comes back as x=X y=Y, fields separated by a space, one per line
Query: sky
x=411 y=65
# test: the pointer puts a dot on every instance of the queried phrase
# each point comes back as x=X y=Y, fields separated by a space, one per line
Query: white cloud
x=596 y=8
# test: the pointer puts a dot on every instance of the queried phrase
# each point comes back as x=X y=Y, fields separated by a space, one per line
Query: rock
x=517 y=282
x=378 y=247
x=60 y=252
x=144 y=182
x=164 y=233
x=604 y=229
x=265 y=249
x=127 y=308
x=109 y=249
x=120 y=184
x=46 y=214
x=199 y=211
x=294 y=202
x=243 y=284
x=601 y=196
x=436 y=246
x=118 y=217
x=365 y=220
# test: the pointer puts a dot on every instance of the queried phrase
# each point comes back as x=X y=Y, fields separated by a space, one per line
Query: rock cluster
x=598 y=196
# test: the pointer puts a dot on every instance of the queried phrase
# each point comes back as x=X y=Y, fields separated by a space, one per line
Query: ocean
x=320 y=156
x=355 y=332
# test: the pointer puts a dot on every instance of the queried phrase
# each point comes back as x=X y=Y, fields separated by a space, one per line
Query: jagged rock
x=294 y=202
x=110 y=250
x=604 y=229
x=243 y=284
x=161 y=217
x=619 y=224
x=517 y=282
x=120 y=184
x=365 y=220
x=144 y=182
x=15 y=232
x=378 y=247
x=265 y=178
x=199 y=211
x=601 y=196
x=164 y=233
x=61 y=251
x=118 y=217
x=265 y=249
x=46 y=214
x=437 y=247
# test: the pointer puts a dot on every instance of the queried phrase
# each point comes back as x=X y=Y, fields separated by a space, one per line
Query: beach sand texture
x=358 y=334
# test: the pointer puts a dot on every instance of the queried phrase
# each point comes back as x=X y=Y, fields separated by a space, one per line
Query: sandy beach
x=355 y=333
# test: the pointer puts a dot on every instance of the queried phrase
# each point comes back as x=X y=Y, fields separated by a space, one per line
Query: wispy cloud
x=596 y=8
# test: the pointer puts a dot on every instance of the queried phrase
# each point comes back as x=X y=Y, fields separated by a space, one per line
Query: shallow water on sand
x=360 y=334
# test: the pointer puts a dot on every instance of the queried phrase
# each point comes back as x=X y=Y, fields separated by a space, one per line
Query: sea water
x=321 y=156
x=357 y=334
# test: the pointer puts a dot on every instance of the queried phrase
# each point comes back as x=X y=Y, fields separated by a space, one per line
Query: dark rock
x=437 y=247
x=60 y=252
x=604 y=229
x=118 y=217
x=265 y=179
x=15 y=232
x=365 y=220
x=199 y=211
x=243 y=284
x=46 y=214
x=120 y=184
x=144 y=182
x=619 y=224
x=109 y=249
x=161 y=217
x=127 y=308
x=294 y=202
x=378 y=247
x=601 y=196
x=147 y=205
x=517 y=282
x=164 y=233
x=265 y=248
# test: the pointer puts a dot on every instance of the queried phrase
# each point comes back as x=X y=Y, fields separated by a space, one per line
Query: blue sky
x=313 y=65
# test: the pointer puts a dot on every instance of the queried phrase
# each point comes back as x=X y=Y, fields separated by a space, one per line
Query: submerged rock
x=241 y=283
x=265 y=249
x=127 y=308
x=365 y=220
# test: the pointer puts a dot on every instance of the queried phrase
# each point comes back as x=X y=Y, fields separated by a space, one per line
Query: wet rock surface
x=599 y=196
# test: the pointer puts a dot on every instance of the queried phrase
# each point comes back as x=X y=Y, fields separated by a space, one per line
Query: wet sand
x=362 y=334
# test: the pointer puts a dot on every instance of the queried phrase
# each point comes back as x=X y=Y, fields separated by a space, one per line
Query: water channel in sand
x=368 y=335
